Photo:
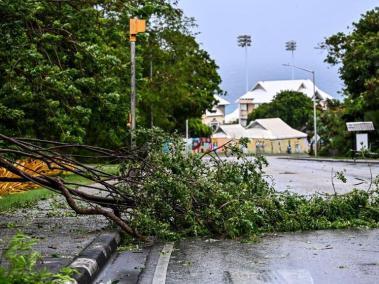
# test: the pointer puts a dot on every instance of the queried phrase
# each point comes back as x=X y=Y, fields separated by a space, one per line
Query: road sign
x=361 y=126
x=362 y=141
x=136 y=26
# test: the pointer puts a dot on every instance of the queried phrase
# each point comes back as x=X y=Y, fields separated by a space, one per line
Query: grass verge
x=30 y=197
x=23 y=199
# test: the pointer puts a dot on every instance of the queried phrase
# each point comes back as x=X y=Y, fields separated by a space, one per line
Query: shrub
x=20 y=267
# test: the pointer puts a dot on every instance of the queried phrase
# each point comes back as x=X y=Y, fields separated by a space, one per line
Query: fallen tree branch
x=104 y=196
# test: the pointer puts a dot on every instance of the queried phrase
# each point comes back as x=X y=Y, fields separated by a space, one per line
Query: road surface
x=313 y=257
x=306 y=177
x=343 y=256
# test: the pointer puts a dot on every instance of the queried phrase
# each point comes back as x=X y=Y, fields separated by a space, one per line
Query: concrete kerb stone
x=358 y=161
x=94 y=257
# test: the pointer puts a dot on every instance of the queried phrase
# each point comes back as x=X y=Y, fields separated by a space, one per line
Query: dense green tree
x=64 y=69
x=358 y=55
x=294 y=108
x=335 y=140
x=199 y=129
x=183 y=81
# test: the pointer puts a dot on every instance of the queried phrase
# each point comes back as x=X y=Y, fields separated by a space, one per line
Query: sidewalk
x=61 y=234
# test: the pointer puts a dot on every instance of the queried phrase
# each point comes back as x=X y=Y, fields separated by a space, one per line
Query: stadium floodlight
x=245 y=42
x=291 y=46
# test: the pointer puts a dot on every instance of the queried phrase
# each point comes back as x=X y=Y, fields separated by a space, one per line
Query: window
x=214 y=125
x=243 y=106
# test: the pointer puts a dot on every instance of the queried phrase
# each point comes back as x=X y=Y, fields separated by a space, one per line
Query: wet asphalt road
x=342 y=256
x=307 y=177
x=124 y=267
x=313 y=257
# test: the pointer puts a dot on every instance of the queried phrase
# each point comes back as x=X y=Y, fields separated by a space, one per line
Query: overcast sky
x=271 y=23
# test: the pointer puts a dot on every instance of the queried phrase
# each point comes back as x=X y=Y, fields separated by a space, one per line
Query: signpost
x=361 y=129
x=136 y=26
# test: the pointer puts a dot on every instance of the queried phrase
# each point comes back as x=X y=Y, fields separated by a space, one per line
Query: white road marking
x=161 y=268
x=296 y=276
x=283 y=276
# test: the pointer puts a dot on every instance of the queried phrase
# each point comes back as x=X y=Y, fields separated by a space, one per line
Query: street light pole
x=314 y=112
x=314 y=102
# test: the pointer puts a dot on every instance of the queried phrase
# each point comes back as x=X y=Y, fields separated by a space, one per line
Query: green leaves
x=292 y=107
x=184 y=80
x=21 y=264
x=357 y=53
x=65 y=69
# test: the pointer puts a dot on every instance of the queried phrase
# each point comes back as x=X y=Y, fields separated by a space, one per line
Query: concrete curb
x=94 y=257
x=332 y=160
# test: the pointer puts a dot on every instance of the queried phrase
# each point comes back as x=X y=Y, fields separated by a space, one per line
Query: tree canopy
x=65 y=69
x=357 y=54
x=292 y=107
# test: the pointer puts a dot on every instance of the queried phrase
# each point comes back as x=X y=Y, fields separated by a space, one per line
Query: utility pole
x=136 y=26
x=291 y=46
x=245 y=42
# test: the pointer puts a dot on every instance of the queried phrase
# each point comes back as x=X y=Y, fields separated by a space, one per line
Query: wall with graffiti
x=202 y=145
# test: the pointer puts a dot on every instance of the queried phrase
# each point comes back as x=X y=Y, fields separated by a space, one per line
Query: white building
x=265 y=91
x=233 y=117
x=269 y=135
x=216 y=115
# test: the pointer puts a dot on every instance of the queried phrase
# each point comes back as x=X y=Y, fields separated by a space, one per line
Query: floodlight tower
x=245 y=41
x=291 y=46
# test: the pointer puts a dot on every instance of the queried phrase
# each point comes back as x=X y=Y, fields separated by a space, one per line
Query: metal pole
x=245 y=41
x=314 y=111
x=133 y=92
x=291 y=46
x=187 y=130
x=151 y=79
x=314 y=102
x=247 y=69
x=133 y=85
x=293 y=63
x=187 y=136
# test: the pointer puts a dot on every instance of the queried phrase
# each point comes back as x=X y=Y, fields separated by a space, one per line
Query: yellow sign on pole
x=136 y=26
